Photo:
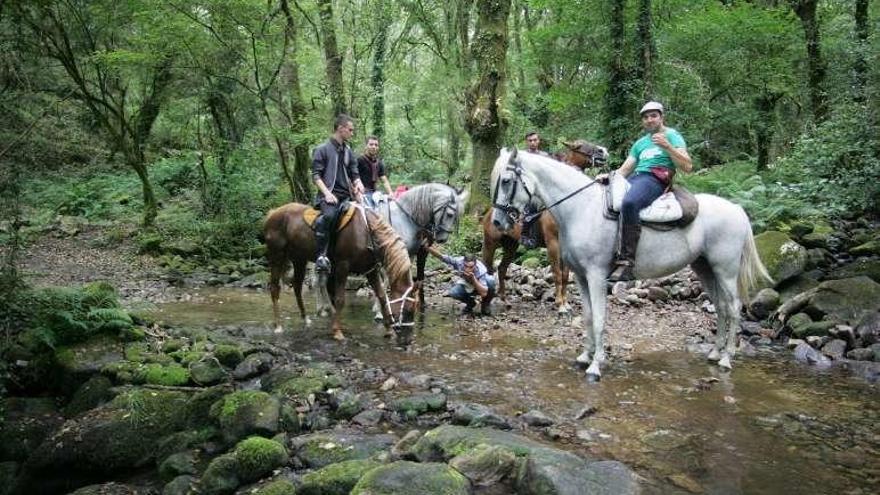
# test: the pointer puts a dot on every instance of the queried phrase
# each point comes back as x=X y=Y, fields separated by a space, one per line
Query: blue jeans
x=461 y=292
x=644 y=189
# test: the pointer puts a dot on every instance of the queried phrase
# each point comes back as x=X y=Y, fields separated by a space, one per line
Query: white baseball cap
x=651 y=105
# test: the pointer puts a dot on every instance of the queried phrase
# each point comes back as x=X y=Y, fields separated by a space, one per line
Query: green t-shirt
x=648 y=155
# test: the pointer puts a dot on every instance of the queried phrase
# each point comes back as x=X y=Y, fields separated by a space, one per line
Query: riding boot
x=626 y=257
x=322 y=263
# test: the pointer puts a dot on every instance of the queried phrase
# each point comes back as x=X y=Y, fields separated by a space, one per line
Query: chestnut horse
x=361 y=247
x=492 y=238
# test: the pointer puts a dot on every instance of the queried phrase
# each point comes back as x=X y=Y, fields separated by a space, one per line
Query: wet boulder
x=91 y=394
x=335 y=479
x=783 y=257
x=486 y=465
x=543 y=469
x=221 y=476
x=861 y=267
x=322 y=449
x=253 y=365
x=182 y=485
x=795 y=285
x=244 y=413
x=870 y=248
x=835 y=349
x=76 y=363
x=868 y=329
x=258 y=456
x=764 y=302
x=412 y=478
x=26 y=423
x=805 y=353
x=475 y=415
x=414 y=405
x=846 y=300
x=176 y=465
x=118 y=436
x=207 y=372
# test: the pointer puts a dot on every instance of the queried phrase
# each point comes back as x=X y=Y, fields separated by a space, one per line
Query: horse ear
x=513 y=155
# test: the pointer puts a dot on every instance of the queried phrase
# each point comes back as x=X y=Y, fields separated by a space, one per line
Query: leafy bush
x=63 y=315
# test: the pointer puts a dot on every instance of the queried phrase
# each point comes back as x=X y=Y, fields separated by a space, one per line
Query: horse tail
x=274 y=237
x=751 y=270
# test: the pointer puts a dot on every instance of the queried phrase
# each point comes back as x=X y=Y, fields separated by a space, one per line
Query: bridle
x=514 y=213
x=433 y=227
x=398 y=322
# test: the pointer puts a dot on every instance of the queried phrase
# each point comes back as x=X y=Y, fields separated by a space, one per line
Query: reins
x=510 y=209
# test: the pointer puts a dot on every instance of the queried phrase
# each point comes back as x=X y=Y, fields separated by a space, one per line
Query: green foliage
x=63 y=315
x=468 y=239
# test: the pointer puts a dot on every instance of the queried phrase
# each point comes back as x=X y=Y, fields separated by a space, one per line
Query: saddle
x=311 y=214
x=673 y=209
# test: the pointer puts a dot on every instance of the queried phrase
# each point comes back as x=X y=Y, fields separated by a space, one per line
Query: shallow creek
x=771 y=426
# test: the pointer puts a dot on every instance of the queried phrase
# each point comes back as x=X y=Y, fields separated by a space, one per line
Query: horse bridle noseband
x=432 y=228
x=513 y=212
x=402 y=299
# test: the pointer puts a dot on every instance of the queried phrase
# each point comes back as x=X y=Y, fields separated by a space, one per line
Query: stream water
x=771 y=426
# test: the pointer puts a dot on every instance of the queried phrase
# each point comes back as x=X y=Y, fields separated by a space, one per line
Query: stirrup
x=623 y=272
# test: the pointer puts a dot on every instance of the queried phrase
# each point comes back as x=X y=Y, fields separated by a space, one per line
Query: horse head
x=511 y=191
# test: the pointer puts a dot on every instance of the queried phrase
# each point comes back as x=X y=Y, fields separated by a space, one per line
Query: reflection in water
x=770 y=426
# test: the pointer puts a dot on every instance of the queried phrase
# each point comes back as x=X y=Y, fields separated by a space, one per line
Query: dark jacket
x=370 y=171
x=325 y=165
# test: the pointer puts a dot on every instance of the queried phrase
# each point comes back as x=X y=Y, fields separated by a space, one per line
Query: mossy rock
x=149 y=243
x=201 y=403
x=870 y=248
x=448 y=441
x=221 y=476
x=183 y=247
x=322 y=449
x=336 y=479
x=27 y=421
x=486 y=465
x=111 y=488
x=245 y=413
x=176 y=465
x=173 y=345
x=860 y=267
x=783 y=257
x=228 y=355
x=258 y=456
x=91 y=394
x=188 y=357
x=798 y=321
x=276 y=487
x=76 y=363
x=171 y=375
x=845 y=300
x=182 y=485
x=814 y=328
x=183 y=441
x=531 y=263
x=119 y=436
x=817 y=240
x=412 y=478
x=207 y=372
x=420 y=403
x=140 y=352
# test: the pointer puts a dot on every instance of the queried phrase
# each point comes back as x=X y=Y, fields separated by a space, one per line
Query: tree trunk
x=765 y=104
x=616 y=121
x=860 y=67
x=647 y=51
x=302 y=166
x=332 y=57
x=378 y=75
x=136 y=161
x=484 y=99
x=806 y=11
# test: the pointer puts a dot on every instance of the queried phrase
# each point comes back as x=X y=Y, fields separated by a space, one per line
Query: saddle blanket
x=310 y=215
x=678 y=206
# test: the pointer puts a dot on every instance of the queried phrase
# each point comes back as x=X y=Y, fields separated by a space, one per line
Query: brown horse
x=579 y=154
x=492 y=238
x=361 y=247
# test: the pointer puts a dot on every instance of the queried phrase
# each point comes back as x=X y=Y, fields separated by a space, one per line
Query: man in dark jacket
x=335 y=172
x=372 y=170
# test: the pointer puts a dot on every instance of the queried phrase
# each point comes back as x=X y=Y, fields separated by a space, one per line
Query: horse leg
x=338 y=304
x=299 y=276
x=378 y=314
x=596 y=283
x=560 y=273
x=508 y=254
x=707 y=278
x=381 y=299
x=421 y=259
x=586 y=356
x=277 y=270
x=489 y=247
x=728 y=298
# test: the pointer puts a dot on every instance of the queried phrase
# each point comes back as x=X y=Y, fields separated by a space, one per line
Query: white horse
x=718 y=245
x=426 y=212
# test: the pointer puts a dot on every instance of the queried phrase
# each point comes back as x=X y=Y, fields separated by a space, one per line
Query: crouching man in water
x=473 y=280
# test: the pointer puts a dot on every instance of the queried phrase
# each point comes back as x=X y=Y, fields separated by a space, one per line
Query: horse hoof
x=378 y=317
x=308 y=322
x=278 y=329
x=593 y=378
x=339 y=337
x=583 y=360
x=725 y=363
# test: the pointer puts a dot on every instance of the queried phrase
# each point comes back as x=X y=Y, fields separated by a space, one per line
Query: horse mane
x=394 y=255
x=419 y=201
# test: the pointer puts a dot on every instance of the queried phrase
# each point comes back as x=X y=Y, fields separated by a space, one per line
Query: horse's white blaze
x=718 y=244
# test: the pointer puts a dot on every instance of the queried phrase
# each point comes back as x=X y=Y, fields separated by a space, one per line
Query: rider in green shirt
x=652 y=160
